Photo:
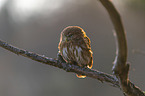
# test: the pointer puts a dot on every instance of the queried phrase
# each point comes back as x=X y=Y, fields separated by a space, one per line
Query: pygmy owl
x=74 y=47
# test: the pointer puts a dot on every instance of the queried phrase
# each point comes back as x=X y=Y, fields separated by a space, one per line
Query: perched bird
x=75 y=48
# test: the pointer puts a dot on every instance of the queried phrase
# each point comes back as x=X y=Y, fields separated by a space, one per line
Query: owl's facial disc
x=72 y=33
x=69 y=37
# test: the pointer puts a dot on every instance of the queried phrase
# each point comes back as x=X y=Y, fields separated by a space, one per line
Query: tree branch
x=121 y=68
x=101 y=76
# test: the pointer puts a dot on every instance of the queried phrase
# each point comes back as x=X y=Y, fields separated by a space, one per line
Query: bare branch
x=121 y=68
x=101 y=76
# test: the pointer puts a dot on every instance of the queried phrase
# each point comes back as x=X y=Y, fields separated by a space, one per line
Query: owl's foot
x=60 y=59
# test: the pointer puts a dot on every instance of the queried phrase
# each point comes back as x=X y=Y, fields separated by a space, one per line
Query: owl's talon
x=60 y=59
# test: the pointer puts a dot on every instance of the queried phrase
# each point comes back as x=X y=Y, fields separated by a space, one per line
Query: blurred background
x=35 y=25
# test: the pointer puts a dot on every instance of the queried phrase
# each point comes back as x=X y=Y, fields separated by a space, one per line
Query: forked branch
x=121 y=67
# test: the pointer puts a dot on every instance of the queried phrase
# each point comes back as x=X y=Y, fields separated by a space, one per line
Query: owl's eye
x=70 y=35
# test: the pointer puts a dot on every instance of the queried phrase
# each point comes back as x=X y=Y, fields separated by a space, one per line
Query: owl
x=75 y=48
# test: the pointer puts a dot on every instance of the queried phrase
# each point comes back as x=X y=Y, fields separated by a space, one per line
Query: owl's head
x=72 y=33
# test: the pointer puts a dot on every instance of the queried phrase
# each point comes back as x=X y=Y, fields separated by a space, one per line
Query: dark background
x=35 y=25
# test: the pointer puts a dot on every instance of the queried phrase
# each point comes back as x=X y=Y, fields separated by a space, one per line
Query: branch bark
x=121 y=67
x=101 y=76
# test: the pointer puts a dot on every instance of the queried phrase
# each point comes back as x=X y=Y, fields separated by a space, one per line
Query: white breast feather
x=65 y=52
x=78 y=57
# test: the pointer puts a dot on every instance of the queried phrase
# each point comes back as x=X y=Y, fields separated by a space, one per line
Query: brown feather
x=74 y=46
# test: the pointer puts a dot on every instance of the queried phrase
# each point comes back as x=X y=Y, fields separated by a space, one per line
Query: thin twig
x=121 y=68
x=137 y=51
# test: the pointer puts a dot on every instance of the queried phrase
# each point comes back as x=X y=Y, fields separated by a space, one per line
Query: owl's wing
x=87 y=41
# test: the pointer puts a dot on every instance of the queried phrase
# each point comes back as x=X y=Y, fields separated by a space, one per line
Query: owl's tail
x=83 y=76
x=80 y=76
x=90 y=65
